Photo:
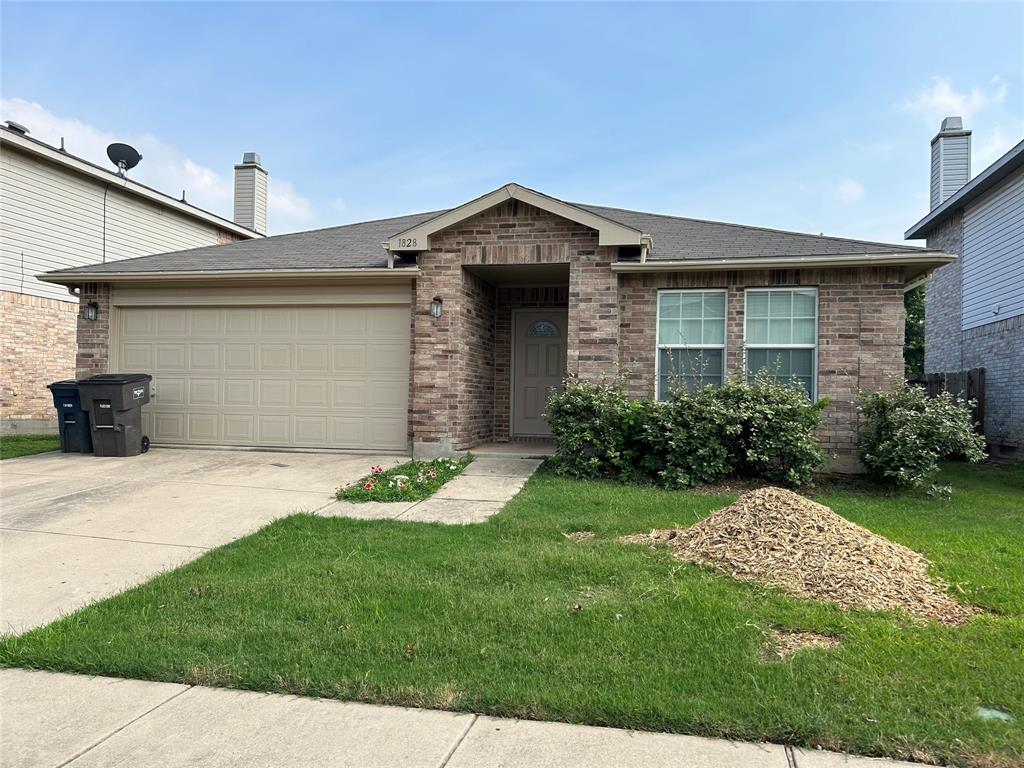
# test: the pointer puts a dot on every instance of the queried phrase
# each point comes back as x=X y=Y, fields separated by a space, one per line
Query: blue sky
x=813 y=117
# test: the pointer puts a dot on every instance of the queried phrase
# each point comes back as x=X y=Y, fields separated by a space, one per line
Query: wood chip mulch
x=777 y=537
x=784 y=643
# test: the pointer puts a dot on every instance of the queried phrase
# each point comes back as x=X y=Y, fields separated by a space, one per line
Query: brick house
x=974 y=306
x=61 y=211
x=442 y=331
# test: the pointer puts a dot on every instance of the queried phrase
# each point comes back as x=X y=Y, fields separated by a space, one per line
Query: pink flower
x=377 y=470
x=368 y=485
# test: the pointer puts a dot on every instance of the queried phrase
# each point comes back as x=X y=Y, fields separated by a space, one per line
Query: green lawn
x=13 y=446
x=483 y=618
x=412 y=481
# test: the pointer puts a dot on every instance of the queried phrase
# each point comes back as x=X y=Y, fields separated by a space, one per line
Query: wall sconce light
x=91 y=311
x=435 y=307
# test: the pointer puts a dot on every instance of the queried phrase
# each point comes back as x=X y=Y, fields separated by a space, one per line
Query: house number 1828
x=407 y=242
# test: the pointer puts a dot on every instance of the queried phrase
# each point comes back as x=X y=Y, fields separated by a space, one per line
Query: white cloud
x=164 y=166
x=941 y=99
x=848 y=191
x=339 y=204
x=992 y=146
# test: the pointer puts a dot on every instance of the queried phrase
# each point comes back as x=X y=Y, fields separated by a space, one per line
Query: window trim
x=813 y=347
x=724 y=346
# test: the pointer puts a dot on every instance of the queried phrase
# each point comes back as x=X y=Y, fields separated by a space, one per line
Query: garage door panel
x=239 y=429
x=312 y=357
x=204 y=357
x=240 y=357
x=169 y=427
x=272 y=376
x=240 y=393
x=138 y=357
x=204 y=392
x=206 y=322
x=170 y=357
x=311 y=394
x=275 y=357
x=203 y=427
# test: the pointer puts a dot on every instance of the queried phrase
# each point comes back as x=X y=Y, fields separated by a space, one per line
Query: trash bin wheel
x=145 y=443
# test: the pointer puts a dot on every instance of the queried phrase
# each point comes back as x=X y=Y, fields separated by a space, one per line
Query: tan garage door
x=302 y=376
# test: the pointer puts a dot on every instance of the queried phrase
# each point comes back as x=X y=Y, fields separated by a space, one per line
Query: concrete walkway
x=484 y=487
x=55 y=720
x=77 y=528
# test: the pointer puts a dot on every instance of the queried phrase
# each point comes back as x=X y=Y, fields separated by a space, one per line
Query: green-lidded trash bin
x=72 y=418
x=114 y=402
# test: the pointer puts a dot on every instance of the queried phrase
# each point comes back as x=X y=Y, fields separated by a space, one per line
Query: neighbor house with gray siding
x=974 y=306
x=61 y=211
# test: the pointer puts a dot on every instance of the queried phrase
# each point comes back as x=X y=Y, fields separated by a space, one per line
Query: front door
x=538 y=366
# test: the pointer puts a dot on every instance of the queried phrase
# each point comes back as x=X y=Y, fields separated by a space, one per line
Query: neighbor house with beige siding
x=59 y=211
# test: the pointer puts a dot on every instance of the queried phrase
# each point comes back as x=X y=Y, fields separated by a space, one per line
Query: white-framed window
x=691 y=340
x=781 y=335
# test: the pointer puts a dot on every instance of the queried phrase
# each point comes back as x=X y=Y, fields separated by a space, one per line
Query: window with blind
x=781 y=335
x=691 y=340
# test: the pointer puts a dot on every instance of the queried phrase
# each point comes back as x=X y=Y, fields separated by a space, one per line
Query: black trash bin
x=72 y=418
x=114 y=402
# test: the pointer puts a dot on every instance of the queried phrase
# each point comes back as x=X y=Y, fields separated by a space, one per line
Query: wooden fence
x=965 y=385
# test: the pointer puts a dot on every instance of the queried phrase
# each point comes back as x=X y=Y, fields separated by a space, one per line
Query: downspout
x=646 y=243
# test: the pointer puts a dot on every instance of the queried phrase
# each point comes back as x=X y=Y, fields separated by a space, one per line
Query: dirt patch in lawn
x=580 y=536
x=784 y=643
x=779 y=538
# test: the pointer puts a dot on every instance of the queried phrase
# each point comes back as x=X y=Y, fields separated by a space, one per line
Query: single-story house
x=441 y=331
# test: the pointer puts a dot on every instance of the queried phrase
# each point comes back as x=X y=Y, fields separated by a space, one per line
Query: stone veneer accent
x=37 y=347
x=860 y=335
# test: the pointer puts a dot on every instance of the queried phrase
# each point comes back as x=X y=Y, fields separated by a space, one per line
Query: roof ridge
x=749 y=226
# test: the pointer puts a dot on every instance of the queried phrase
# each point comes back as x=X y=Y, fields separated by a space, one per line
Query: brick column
x=593 y=316
x=93 y=335
x=433 y=410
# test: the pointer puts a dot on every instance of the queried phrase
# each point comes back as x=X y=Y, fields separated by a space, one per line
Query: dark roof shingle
x=360 y=245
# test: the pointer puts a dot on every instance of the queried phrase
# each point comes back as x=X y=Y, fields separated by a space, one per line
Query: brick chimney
x=951 y=160
x=251 y=193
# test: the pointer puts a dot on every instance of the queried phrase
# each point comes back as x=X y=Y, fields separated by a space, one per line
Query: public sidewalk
x=50 y=719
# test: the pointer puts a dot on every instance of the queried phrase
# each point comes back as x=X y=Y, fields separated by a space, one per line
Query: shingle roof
x=359 y=245
x=981 y=184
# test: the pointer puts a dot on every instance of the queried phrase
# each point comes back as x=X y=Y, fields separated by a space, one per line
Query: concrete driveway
x=76 y=528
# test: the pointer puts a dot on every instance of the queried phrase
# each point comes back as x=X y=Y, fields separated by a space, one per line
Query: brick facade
x=943 y=350
x=37 y=347
x=451 y=403
x=998 y=347
x=460 y=370
x=860 y=334
x=94 y=335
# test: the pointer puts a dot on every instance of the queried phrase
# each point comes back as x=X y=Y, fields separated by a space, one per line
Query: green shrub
x=773 y=437
x=761 y=429
x=905 y=434
x=598 y=430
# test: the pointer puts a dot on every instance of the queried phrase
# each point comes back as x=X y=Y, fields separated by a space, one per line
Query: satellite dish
x=123 y=156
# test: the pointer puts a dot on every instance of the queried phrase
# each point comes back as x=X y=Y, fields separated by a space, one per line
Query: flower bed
x=413 y=481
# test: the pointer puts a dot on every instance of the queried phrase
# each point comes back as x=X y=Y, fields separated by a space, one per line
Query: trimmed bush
x=905 y=434
x=760 y=429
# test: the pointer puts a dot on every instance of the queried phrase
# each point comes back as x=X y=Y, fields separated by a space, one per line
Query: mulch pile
x=779 y=538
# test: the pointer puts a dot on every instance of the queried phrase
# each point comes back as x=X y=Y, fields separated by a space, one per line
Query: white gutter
x=376 y=273
x=924 y=258
x=103 y=176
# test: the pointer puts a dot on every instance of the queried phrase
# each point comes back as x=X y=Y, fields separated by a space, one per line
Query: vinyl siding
x=51 y=218
x=951 y=167
x=993 y=256
x=251 y=197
